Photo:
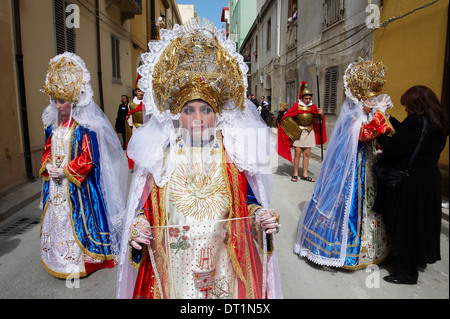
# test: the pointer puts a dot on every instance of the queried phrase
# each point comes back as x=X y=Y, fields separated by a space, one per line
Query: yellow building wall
x=139 y=29
x=413 y=50
x=38 y=47
x=11 y=152
x=112 y=91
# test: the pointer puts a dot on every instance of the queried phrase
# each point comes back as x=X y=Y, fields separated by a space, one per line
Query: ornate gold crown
x=197 y=66
x=365 y=79
x=64 y=80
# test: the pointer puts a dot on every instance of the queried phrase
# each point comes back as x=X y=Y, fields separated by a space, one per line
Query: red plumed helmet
x=304 y=90
x=137 y=80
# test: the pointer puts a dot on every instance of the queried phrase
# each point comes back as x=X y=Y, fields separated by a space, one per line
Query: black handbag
x=393 y=177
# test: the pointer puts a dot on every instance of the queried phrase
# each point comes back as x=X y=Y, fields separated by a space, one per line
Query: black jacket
x=412 y=213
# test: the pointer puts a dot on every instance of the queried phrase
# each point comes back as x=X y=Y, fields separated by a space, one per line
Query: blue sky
x=210 y=9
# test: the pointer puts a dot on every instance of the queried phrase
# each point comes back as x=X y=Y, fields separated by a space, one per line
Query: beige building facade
x=306 y=40
x=144 y=28
x=32 y=32
x=109 y=35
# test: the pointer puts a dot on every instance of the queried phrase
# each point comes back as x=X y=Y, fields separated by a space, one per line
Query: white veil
x=245 y=136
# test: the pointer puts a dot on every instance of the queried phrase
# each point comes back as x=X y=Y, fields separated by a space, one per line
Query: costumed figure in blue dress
x=84 y=171
x=338 y=226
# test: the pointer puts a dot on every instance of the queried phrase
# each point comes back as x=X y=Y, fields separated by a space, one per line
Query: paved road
x=23 y=276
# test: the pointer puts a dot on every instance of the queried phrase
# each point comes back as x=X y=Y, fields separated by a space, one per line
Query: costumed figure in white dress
x=84 y=170
x=198 y=218
x=338 y=226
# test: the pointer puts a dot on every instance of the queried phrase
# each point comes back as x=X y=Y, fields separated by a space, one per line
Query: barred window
x=64 y=36
x=333 y=11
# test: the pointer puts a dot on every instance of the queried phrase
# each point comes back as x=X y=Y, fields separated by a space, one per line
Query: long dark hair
x=421 y=100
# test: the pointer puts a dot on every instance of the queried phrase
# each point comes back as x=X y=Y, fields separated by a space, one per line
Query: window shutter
x=115 y=57
x=331 y=83
x=64 y=37
x=59 y=26
x=70 y=40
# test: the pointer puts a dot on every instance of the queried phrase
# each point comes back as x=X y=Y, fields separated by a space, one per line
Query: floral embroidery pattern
x=181 y=239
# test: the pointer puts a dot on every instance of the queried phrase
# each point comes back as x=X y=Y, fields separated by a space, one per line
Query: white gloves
x=383 y=102
x=55 y=172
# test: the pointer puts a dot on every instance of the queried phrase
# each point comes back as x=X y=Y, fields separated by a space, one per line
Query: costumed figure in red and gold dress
x=338 y=226
x=302 y=127
x=198 y=218
x=84 y=169
x=135 y=115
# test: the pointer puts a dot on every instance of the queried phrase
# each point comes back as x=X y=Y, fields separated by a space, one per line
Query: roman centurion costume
x=134 y=117
x=299 y=126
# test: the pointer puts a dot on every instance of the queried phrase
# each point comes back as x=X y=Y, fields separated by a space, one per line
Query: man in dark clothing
x=254 y=100
x=122 y=113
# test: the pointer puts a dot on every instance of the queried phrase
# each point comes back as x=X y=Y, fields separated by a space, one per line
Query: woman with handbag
x=412 y=210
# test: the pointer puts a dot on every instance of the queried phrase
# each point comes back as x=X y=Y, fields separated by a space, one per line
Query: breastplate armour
x=305 y=120
x=137 y=116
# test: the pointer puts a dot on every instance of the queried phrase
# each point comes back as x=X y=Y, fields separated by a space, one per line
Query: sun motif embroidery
x=198 y=190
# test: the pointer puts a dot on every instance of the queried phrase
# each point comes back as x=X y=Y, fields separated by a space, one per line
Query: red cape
x=284 y=142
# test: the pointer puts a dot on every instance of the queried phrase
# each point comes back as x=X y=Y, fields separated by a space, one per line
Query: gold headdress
x=196 y=66
x=67 y=79
x=364 y=79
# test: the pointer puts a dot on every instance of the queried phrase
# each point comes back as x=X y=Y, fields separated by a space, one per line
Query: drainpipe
x=22 y=92
x=99 y=54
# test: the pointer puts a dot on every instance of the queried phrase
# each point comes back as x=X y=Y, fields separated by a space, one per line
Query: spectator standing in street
x=264 y=109
x=84 y=176
x=338 y=226
x=412 y=212
x=281 y=112
x=122 y=113
x=269 y=103
x=301 y=119
x=254 y=100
